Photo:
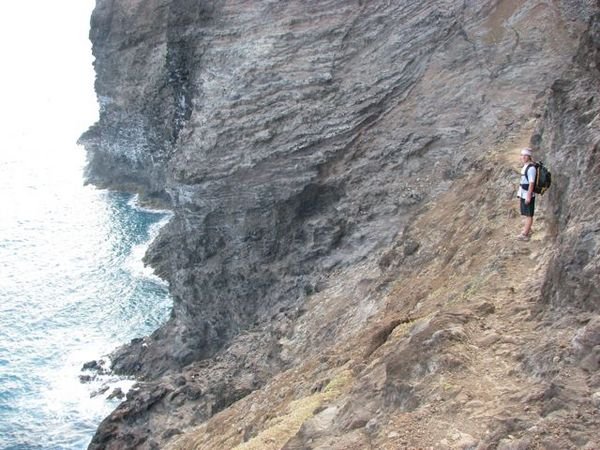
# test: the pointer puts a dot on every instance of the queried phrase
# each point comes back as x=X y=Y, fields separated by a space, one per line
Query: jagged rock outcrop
x=570 y=133
x=297 y=142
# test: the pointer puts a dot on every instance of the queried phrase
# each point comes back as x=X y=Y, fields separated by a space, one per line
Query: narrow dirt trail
x=482 y=274
x=493 y=394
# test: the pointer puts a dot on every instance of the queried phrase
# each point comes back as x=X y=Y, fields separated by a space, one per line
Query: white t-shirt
x=530 y=178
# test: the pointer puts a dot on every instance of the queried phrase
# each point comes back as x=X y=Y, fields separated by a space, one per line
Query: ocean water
x=72 y=288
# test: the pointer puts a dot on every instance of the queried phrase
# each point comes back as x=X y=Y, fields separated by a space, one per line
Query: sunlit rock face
x=292 y=140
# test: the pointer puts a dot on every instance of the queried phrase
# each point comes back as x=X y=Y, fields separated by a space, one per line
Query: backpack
x=543 y=177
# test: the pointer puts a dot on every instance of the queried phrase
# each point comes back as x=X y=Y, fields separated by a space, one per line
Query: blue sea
x=72 y=288
x=72 y=283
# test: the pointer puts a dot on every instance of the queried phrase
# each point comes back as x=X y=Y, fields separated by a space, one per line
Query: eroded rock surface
x=300 y=144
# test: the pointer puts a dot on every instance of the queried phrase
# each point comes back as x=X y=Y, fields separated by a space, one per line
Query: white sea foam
x=74 y=288
x=66 y=297
x=135 y=260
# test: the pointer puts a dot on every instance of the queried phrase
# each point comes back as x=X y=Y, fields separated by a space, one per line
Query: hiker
x=526 y=194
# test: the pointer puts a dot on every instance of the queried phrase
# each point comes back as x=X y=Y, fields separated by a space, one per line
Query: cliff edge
x=342 y=256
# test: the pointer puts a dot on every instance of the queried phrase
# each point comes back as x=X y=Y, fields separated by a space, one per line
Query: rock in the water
x=116 y=393
x=90 y=365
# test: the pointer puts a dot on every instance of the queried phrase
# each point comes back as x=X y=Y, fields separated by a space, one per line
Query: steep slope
x=328 y=164
x=444 y=361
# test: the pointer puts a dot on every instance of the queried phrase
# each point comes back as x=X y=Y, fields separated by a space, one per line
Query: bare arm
x=530 y=190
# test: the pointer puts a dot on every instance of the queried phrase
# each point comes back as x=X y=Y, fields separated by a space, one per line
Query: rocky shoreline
x=298 y=144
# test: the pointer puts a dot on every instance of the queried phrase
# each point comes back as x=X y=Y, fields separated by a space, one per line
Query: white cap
x=526 y=152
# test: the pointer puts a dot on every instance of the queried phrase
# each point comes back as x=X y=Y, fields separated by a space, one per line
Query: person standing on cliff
x=526 y=194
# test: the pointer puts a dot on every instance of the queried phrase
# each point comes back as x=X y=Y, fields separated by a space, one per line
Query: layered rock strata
x=296 y=141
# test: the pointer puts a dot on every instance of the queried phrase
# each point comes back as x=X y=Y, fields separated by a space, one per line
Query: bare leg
x=528 y=222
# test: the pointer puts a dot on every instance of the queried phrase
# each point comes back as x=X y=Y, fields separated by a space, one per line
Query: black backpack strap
x=527 y=170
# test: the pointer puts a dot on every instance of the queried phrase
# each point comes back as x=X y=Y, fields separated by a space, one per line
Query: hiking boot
x=523 y=237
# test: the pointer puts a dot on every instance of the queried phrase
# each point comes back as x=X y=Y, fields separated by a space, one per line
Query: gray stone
x=116 y=393
x=596 y=399
x=294 y=139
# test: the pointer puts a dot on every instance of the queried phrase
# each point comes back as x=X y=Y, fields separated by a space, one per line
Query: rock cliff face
x=326 y=162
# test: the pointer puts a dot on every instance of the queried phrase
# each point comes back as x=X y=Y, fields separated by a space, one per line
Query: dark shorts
x=528 y=210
